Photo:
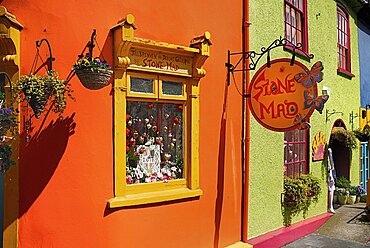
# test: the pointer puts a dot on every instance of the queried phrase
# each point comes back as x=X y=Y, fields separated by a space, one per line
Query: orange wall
x=66 y=170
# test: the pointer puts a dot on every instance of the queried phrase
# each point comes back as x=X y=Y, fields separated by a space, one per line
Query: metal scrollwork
x=254 y=57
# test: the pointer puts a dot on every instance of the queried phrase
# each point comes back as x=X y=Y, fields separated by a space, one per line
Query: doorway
x=341 y=154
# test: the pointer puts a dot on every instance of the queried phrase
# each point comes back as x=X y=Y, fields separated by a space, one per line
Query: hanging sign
x=318 y=147
x=283 y=96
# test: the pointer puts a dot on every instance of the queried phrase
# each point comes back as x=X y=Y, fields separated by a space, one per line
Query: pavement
x=348 y=227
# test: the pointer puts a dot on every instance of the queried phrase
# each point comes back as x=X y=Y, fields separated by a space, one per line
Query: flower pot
x=351 y=199
x=94 y=80
x=342 y=199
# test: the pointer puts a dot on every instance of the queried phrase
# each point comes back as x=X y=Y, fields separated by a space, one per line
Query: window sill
x=345 y=73
x=153 y=197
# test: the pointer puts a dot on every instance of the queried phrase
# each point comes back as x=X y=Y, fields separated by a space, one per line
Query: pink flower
x=180 y=107
x=128 y=179
x=128 y=131
x=128 y=117
x=176 y=120
x=127 y=148
x=150 y=105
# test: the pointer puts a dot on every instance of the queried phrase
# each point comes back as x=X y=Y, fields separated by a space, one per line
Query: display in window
x=154 y=138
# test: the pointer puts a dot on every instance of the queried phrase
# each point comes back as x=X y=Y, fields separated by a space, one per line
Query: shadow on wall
x=40 y=157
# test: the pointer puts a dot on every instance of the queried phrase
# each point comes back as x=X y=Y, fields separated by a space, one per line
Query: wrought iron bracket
x=91 y=44
x=9 y=79
x=328 y=114
x=254 y=57
x=352 y=116
x=51 y=58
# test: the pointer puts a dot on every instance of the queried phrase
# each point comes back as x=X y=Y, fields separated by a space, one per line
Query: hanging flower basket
x=94 y=80
x=38 y=89
x=94 y=74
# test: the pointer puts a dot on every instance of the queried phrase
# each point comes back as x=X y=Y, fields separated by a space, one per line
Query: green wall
x=266 y=153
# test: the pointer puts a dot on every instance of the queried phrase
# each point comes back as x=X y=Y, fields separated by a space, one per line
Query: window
x=296 y=22
x=156 y=117
x=295 y=153
x=153 y=159
x=155 y=129
x=343 y=32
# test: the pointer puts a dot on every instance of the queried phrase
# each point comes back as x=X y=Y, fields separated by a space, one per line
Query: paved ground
x=348 y=227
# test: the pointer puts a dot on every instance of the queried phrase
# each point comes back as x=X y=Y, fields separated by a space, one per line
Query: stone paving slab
x=318 y=241
x=348 y=227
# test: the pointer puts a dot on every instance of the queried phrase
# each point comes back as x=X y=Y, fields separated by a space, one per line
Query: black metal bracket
x=9 y=79
x=50 y=59
x=328 y=114
x=254 y=57
x=352 y=116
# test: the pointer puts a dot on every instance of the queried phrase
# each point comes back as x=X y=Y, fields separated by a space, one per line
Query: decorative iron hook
x=50 y=59
x=91 y=44
x=328 y=114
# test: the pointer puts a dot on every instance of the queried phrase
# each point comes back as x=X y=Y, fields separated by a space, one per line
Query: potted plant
x=344 y=137
x=362 y=135
x=342 y=182
x=93 y=73
x=360 y=192
x=352 y=195
x=37 y=90
x=342 y=195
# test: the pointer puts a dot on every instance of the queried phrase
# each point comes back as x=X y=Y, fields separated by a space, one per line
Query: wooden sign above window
x=158 y=61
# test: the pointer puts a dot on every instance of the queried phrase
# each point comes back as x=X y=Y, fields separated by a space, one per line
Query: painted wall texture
x=364 y=54
x=267 y=157
x=66 y=170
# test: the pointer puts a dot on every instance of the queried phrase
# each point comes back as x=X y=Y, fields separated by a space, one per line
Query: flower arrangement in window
x=93 y=73
x=154 y=142
x=37 y=90
x=8 y=122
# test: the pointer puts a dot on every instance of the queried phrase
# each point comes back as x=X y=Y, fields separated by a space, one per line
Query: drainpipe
x=245 y=125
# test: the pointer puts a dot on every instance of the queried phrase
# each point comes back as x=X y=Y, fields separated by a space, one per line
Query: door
x=364 y=164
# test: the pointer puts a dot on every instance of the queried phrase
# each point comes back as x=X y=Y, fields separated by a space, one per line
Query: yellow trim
x=10 y=63
x=155 y=186
x=198 y=52
x=240 y=245
x=153 y=197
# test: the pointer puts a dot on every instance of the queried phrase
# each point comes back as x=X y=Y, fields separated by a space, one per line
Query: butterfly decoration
x=302 y=123
x=308 y=79
x=318 y=102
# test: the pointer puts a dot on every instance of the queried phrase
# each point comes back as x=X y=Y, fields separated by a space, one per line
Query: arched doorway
x=341 y=154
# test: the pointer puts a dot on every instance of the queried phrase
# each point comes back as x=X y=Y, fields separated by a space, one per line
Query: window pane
x=171 y=88
x=154 y=142
x=141 y=85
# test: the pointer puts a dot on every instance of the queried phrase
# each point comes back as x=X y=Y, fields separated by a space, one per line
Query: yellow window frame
x=144 y=193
